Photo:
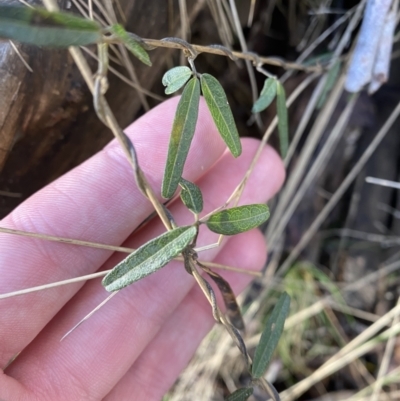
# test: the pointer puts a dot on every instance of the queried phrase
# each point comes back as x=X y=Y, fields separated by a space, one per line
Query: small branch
x=254 y=58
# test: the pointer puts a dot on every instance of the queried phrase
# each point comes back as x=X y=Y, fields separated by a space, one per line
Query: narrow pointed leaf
x=270 y=336
x=238 y=219
x=220 y=110
x=241 y=394
x=282 y=119
x=181 y=136
x=149 y=258
x=131 y=44
x=267 y=95
x=44 y=28
x=175 y=78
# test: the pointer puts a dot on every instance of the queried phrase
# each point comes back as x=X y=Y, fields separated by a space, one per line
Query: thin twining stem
x=109 y=119
x=250 y=56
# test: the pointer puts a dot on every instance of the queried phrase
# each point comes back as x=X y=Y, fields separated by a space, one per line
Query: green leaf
x=181 y=136
x=220 y=110
x=149 y=258
x=270 y=336
x=241 y=394
x=131 y=43
x=44 y=28
x=267 y=95
x=330 y=82
x=238 y=219
x=191 y=196
x=282 y=119
x=175 y=78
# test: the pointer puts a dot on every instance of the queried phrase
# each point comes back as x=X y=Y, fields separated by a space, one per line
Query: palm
x=135 y=347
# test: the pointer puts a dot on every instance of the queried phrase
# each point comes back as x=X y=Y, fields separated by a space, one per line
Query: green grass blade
x=175 y=78
x=282 y=119
x=131 y=44
x=149 y=258
x=220 y=110
x=270 y=336
x=241 y=394
x=181 y=136
x=191 y=196
x=267 y=95
x=330 y=83
x=44 y=28
x=238 y=219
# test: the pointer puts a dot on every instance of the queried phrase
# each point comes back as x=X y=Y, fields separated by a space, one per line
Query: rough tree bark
x=47 y=122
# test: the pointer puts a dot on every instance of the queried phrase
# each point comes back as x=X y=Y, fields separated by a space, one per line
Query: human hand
x=136 y=345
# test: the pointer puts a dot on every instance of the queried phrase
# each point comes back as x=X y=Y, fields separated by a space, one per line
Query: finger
x=98 y=201
x=103 y=349
x=158 y=366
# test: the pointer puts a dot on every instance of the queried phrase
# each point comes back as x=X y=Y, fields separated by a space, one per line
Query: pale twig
x=234 y=333
x=10 y=194
x=384 y=240
x=66 y=240
x=90 y=3
x=243 y=56
x=250 y=70
x=296 y=93
x=221 y=22
x=317 y=130
x=103 y=273
x=90 y=314
x=54 y=285
x=99 y=274
x=125 y=79
x=382 y=182
x=341 y=190
x=392 y=377
x=185 y=25
x=346 y=355
x=122 y=54
x=318 y=166
x=311 y=47
x=24 y=62
x=25 y=3
x=317 y=307
x=83 y=8
x=251 y=13
x=348 y=310
x=383 y=368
